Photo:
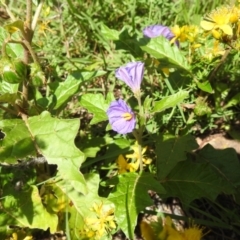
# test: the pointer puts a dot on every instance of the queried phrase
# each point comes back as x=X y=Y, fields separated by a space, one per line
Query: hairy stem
x=138 y=134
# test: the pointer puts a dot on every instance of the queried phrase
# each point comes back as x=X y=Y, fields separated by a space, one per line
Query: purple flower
x=158 y=30
x=121 y=117
x=131 y=74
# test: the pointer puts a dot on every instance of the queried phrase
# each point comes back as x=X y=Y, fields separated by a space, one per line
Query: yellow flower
x=216 y=50
x=133 y=162
x=193 y=233
x=97 y=227
x=135 y=155
x=122 y=164
x=147 y=231
x=170 y=233
x=221 y=18
x=180 y=33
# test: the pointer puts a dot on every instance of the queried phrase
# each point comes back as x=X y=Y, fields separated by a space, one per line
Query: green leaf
x=233 y=101
x=15 y=26
x=96 y=104
x=169 y=101
x=82 y=208
x=130 y=197
x=109 y=34
x=13 y=49
x=71 y=85
x=17 y=142
x=8 y=97
x=115 y=147
x=55 y=140
x=171 y=150
x=189 y=181
x=205 y=86
x=147 y=104
x=168 y=54
x=24 y=208
x=9 y=88
x=225 y=162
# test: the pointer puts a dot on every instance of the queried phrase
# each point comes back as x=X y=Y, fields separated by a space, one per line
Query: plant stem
x=8 y=110
x=138 y=134
x=28 y=38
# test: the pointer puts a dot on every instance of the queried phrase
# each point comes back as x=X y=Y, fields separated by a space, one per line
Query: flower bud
x=12 y=71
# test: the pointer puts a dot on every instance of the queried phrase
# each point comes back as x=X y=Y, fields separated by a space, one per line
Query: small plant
x=84 y=137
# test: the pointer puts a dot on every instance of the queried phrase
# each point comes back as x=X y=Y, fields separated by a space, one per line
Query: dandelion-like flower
x=221 y=18
x=121 y=117
x=98 y=226
x=153 y=31
x=132 y=75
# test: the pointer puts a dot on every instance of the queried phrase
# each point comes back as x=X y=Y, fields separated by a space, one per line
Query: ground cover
x=108 y=106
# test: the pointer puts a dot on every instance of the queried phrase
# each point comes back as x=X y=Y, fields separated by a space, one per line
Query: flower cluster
x=100 y=225
x=169 y=232
x=131 y=164
x=120 y=115
x=220 y=21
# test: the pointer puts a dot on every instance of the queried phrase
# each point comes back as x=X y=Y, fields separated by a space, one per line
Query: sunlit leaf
x=169 y=101
x=130 y=197
x=51 y=137
x=82 y=209
x=71 y=85
x=205 y=86
x=168 y=54
x=108 y=33
x=96 y=104
x=24 y=208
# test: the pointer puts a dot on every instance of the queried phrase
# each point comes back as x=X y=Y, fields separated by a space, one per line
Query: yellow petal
x=207 y=25
x=193 y=233
x=216 y=34
x=147 y=231
x=226 y=29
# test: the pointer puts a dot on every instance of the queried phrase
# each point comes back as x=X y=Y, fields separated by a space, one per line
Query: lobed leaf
x=52 y=137
x=24 y=208
x=81 y=207
x=189 y=181
x=171 y=150
x=225 y=162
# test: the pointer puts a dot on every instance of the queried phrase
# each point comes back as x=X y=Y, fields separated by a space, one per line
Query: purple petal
x=115 y=115
x=131 y=74
x=158 y=30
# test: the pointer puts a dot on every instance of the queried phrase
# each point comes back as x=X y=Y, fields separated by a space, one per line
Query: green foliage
x=171 y=150
x=96 y=104
x=130 y=196
x=168 y=54
x=169 y=101
x=63 y=168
